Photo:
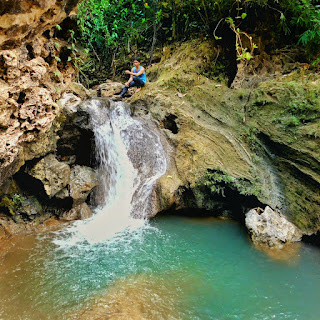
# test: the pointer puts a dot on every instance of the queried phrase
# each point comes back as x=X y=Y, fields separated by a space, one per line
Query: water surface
x=173 y=268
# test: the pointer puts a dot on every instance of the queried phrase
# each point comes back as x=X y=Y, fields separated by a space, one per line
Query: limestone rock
x=109 y=88
x=271 y=228
x=45 y=144
x=69 y=102
x=79 y=212
x=31 y=79
x=79 y=90
x=30 y=207
x=62 y=194
x=82 y=181
x=53 y=174
x=2 y=233
x=22 y=20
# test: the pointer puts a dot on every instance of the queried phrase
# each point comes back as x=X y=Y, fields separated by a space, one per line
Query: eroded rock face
x=271 y=228
x=79 y=212
x=22 y=20
x=53 y=174
x=82 y=181
x=34 y=72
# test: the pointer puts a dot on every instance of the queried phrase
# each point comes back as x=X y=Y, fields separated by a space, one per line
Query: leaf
x=57 y=58
x=69 y=58
x=244 y=15
x=58 y=27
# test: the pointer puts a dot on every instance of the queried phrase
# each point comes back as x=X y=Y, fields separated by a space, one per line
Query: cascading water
x=131 y=158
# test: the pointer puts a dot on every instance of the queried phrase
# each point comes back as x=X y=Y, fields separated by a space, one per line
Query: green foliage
x=12 y=203
x=110 y=29
x=218 y=181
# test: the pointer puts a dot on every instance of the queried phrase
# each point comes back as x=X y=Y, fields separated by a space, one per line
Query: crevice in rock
x=30 y=51
x=76 y=145
x=21 y=98
x=49 y=59
x=47 y=34
x=169 y=122
x=64 y=55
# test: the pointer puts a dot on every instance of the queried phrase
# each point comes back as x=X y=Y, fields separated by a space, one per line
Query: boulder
x=82 y=181
x=79 y=212
x=109 y=88
x=79 y=90
x=271 y=228
x=69 y=102
x=53 y=174
x=30 y=207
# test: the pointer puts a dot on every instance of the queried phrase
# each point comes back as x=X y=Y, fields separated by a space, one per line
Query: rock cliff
x=34 y=70
x=36 y=67
x=233 y=149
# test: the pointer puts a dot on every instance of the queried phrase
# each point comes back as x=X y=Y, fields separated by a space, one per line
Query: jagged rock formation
x=23 y=20
x=270 y=228
x=34 y=70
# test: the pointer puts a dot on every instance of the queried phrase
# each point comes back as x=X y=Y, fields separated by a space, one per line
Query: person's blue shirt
x=143 y=76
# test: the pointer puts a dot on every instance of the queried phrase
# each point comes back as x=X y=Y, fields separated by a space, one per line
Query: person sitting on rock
x=138 y=78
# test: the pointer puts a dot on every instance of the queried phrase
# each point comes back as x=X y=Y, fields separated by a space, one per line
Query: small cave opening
x=21 y=98
x=33 y=187
x=76 y=146
x=64 y=55
x=30 y=51
x=313 y=239
x=49 y=59
x=47 y=34
x=230 y=204
x=169 y=122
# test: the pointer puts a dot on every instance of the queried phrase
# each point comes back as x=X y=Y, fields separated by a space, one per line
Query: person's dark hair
x=138 y=59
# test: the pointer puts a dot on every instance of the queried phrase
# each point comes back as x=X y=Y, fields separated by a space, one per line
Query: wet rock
x=10 y=227
x=270 y=228
x=82 y=181
x=53 y=174
x=79 y=212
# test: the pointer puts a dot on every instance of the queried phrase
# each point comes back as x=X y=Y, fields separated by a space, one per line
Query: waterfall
x=130 y=159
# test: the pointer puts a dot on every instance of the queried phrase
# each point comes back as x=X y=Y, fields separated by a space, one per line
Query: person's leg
x=139 y=83
x=125 y=89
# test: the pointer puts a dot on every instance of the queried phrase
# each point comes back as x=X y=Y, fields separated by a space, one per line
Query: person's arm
x=131 y=77
x=129 y=81
x=136 y=74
